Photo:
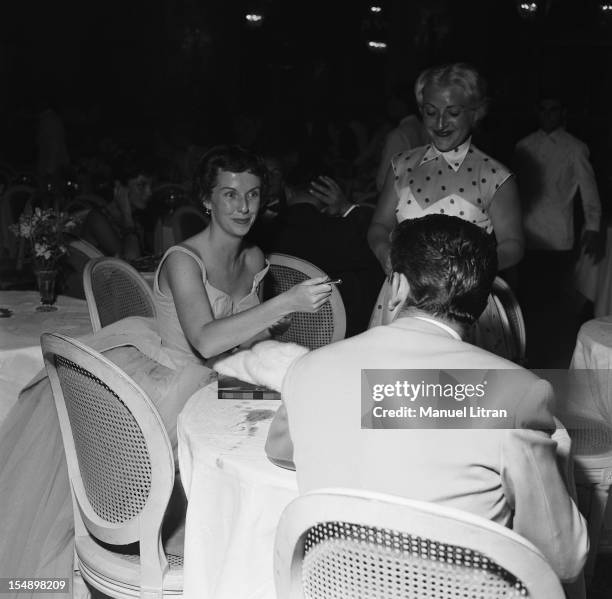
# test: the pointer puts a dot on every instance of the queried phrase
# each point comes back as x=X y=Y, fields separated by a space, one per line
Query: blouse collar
x=454 y=158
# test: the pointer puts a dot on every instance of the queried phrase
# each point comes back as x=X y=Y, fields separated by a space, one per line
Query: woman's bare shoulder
x=254 y=258
x=182 y=258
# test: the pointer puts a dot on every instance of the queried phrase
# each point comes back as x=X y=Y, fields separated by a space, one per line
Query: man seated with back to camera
x=442 y=272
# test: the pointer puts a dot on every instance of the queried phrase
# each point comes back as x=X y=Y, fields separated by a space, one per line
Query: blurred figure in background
x=408 y=134
x=121 y=228
x=552 y=167
x=450 y=175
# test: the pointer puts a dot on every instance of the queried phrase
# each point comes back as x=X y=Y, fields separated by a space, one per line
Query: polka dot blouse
x=460 y=183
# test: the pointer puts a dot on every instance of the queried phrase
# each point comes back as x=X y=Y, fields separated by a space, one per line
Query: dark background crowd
x=167 y=76
x=314 y=87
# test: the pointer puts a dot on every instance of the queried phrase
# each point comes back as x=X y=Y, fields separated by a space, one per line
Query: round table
x=594 y=281
x=593 y=352
x=236 y=496
x=20 y=354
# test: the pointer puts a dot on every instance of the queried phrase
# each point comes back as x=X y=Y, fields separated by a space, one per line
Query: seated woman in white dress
x=206 y=292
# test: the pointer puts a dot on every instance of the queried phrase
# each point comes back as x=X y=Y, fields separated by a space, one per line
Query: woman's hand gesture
x=308 y=296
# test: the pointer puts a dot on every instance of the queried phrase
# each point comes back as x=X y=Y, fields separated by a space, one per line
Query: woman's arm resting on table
x=383 y=222
x=506 y=218
x=264 y=364
x=212 y=337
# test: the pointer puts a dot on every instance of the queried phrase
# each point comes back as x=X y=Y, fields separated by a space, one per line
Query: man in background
x=552 y=168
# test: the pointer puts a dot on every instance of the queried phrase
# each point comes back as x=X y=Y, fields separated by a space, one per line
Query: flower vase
x=45 y=280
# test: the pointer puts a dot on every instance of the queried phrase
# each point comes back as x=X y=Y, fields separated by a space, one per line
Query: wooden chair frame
x=312 y=271
x=105 y=262
x=100 y=567
x=511 y=315
x=420 y=519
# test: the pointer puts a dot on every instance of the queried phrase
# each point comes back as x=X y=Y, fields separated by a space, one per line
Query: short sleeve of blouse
x=492 y=176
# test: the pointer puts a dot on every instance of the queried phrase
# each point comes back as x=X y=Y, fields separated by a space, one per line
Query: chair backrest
x=178 y=225
x=342 y=543
x=114 y=290
x=80 y=205
x=118 y=453
x=79 y=253
x=311 y=330
x=84 y=248
x=513 y=324
x=186 y=221
x=167 y=196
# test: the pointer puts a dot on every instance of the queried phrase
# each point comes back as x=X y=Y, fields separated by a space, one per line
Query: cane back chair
x=311 y=330
x=114 y=290
x=121 y=472
x=339 y=543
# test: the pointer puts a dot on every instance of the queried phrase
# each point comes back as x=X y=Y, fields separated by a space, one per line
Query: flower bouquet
x=46 y=231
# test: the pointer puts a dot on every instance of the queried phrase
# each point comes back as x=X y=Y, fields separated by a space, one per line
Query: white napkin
x=266 y=363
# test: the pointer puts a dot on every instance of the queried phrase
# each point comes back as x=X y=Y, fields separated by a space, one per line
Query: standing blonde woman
x=450 y=175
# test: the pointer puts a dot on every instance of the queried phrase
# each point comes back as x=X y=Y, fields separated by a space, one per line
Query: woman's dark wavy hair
x=230 y=158
x=450 y=265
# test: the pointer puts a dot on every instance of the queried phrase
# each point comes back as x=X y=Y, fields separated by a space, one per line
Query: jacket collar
x=425 y=325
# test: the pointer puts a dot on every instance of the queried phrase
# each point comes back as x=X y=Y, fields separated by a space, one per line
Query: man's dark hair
x=450 y=265
x=229 y=158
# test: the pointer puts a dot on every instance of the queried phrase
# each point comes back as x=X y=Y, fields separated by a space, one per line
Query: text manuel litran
x=422 y=390
x=435 y=399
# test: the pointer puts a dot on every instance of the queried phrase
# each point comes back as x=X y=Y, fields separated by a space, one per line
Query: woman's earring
x=206 y=210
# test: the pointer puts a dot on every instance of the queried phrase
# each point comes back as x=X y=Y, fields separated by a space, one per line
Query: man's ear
x=399 y=288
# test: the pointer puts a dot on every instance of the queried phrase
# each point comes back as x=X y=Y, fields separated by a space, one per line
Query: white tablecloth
x=594 y=281
x=236 y=497
x=20 y=355
x=593 y=351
